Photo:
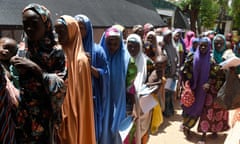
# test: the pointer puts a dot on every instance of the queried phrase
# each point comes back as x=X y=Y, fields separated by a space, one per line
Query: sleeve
x=57 y=92
x=187 y=69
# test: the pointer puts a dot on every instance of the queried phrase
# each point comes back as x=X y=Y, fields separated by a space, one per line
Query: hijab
x=218 y=54
x=48 y=40
x=118 y=65
x=78 y=117
x=140 y=61
x=201 y=65
x=187 y=40
x=88 y=41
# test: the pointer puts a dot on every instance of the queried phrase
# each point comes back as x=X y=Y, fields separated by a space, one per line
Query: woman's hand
x=23 y=65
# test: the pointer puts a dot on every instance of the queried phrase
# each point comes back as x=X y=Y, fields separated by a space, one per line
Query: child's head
x=8 y=48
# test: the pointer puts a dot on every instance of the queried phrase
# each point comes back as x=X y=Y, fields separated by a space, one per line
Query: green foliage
x=236 y=13
x=209 y=11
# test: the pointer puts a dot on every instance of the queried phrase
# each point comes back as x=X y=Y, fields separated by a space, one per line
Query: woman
x=214 y=119
x=39 y=69
x=99 y=70
x=196 y=71
x=219 y=47
x=78 y=117
x=134 y=46
x=195 y=43
x=115 y=105
x=151 y=48
x=187 y=40
x=171 y=71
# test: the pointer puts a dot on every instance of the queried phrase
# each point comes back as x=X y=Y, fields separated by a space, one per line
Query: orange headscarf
x=77 y=109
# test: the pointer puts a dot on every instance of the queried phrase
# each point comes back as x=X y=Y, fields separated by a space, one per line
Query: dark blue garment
x=99 y=85
x=115 y=106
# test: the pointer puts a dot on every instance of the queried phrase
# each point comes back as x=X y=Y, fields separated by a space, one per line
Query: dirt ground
x=169 y=132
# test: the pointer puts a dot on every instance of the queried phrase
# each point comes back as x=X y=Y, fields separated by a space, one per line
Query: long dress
x=115 y=102
x=99 y=85
x=213 y=117
x=78 y=117
x=196 y=70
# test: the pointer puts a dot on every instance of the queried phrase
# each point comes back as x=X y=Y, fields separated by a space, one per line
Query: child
x=157 y=77
x=8 y=93
x=8 y=49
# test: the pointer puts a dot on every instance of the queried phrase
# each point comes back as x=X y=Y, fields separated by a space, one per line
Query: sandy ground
x=169 y=132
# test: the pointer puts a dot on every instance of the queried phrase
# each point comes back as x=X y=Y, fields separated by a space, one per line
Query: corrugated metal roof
x=103 y=13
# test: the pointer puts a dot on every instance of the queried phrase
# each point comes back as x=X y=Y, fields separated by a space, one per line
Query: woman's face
x=150 y=39
x=219 y=43
x=83 y=29
x=177 y=36
x=203 y=47
x=113 y=44
x=140 y=32
x=62 y=32
x=133 y=48
x=33 y=25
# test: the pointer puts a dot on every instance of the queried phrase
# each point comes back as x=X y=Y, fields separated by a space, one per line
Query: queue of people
x=70 y=90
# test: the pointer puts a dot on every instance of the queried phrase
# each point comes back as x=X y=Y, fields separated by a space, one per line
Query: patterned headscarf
x=42 y=11
x=44 y=14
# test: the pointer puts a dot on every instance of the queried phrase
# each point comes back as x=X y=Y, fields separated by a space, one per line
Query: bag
x=187 y=97
x=228 y=96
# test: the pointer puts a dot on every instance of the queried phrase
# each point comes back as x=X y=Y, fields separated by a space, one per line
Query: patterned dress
x=214 y=118
x=41 y=97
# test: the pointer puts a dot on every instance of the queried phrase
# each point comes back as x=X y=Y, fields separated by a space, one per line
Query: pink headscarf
x=189 y=36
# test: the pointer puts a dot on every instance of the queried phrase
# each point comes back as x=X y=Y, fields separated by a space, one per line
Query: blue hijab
x=218 y=54
x=115 y=110
x=99 y=85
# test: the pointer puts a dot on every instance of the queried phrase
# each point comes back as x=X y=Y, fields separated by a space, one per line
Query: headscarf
x=119 y=27
x=218 y=54
x=136 y=28
x=147 y=27
x=140 y=61
x=187 y=40
x=194 y=40
x=78 y=117
x=88 y=42
x=100 y=85
x=201 y=65
x=45 y=15
x=172 y=56
x=118 y=63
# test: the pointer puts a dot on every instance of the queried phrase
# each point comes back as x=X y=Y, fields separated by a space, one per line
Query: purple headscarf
x=201 y=70
x=201 y=65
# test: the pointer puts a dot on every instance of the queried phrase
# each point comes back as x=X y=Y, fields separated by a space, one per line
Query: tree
x=192 y=7
x=235 y=13
x=209 y=11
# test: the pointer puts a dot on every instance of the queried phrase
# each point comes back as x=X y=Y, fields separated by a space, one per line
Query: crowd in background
x=70 y=90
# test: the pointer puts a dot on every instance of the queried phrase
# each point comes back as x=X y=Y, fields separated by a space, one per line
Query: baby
x=8 y=49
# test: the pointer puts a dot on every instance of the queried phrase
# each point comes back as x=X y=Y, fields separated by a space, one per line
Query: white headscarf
x=141 y=63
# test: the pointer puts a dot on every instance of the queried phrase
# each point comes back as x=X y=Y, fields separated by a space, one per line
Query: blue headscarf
x=218 y=54
x=118 y=64
x=88 y=42
x=100 y=85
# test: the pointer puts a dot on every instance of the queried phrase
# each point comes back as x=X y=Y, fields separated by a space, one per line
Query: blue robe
x=99 y=85
x=115 y=104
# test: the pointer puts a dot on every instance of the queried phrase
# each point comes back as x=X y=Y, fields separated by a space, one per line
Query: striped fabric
x=7 y=126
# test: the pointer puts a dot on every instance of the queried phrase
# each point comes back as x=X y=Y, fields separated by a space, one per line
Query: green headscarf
x=218 y=54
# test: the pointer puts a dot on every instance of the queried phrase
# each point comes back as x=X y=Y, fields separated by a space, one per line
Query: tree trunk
x=193 y=19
